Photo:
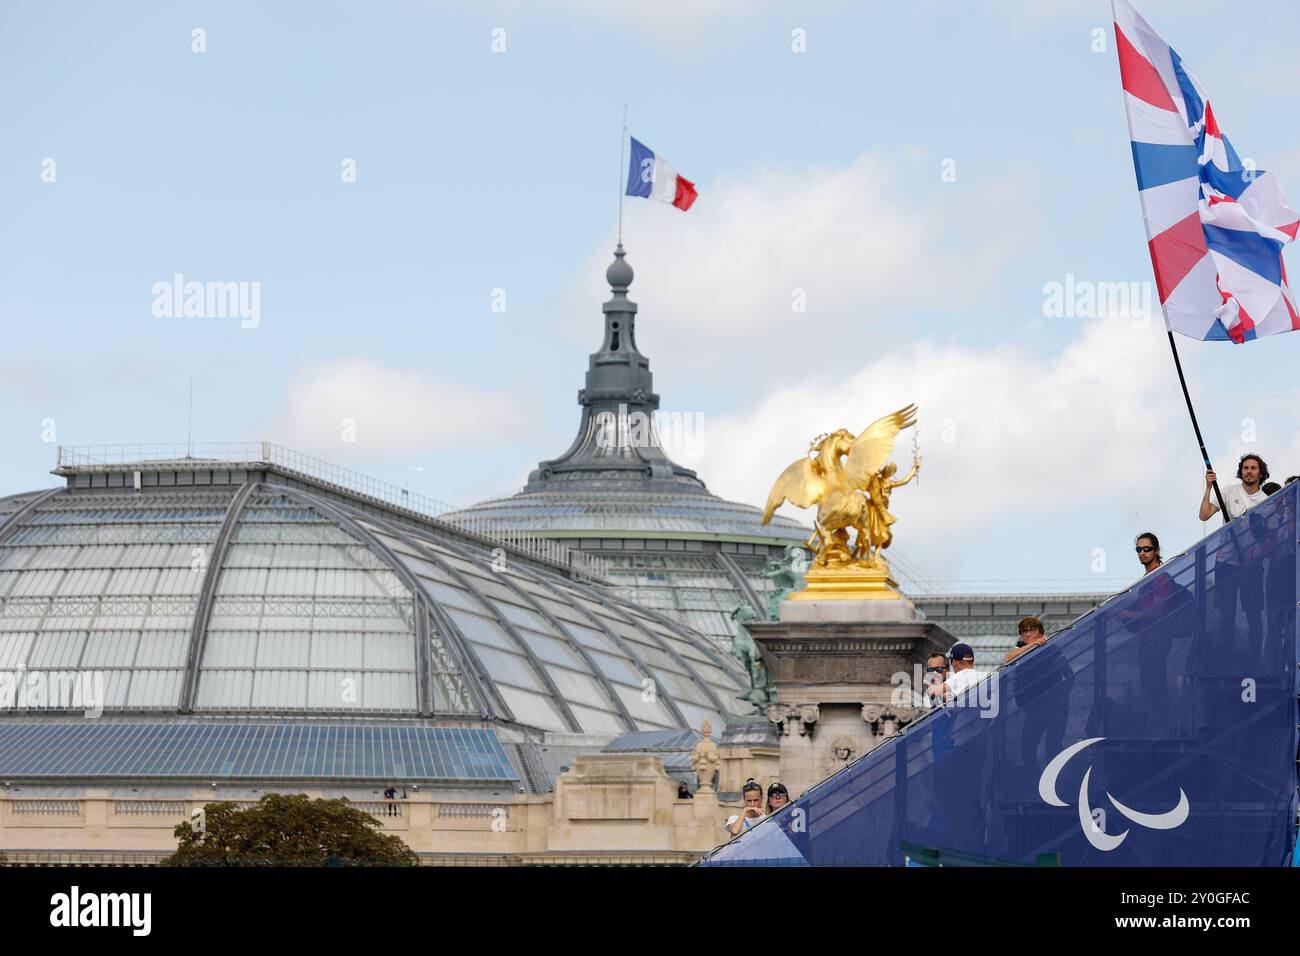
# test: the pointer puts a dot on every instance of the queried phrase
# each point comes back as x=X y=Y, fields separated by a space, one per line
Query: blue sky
x=1046 y=439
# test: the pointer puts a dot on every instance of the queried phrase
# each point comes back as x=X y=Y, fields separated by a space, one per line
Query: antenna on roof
x=189 y=423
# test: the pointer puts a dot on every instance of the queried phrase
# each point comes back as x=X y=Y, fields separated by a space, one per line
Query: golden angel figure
x=850 y=482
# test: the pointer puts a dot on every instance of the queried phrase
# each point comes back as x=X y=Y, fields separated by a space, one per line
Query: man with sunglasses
x=1152 y=619
x=749 y=817
x=936 y=673
x=1147 y=547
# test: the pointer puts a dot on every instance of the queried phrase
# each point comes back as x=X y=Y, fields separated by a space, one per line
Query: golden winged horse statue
x=849 y=481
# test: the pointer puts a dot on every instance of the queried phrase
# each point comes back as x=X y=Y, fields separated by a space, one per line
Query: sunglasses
x=935 y=670
x=1143 y=548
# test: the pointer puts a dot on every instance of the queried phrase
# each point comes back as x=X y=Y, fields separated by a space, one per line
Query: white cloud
x=718 y=285
x=396 y=411
x=1032 y=434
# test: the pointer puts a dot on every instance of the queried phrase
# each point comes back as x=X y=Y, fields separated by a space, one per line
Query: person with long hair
x=1252 y=473
x=1152 y=620
x=1232 y=584
x=777 y=797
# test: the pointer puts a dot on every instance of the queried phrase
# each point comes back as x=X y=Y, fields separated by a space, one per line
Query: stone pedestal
x=843 y=671
x=847 y=584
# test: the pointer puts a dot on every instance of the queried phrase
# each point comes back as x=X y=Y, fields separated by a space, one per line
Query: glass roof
x=12 y=503
x=257 y=599
x=636 y=512
x=306 y=616
x=109 y=583
x=695 y=589
x=560 y=655
x=220 y=751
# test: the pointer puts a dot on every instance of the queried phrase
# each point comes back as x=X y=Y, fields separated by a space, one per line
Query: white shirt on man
x=963 y=679
x=1238 y=501
x=750 y=822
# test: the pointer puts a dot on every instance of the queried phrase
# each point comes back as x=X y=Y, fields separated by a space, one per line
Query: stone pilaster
x=843 y=671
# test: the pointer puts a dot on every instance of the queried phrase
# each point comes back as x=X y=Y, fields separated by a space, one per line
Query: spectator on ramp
x=752 y=814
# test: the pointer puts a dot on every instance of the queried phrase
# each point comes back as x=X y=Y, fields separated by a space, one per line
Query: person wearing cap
x=749 y=817
x=964 y=674
x=777 y=797
x=959 y=780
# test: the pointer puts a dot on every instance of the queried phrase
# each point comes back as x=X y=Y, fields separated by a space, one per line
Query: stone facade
x=607 y=808
x=836 y=666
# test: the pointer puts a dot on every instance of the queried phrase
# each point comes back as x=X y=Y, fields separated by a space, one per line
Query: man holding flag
x=1215 y=225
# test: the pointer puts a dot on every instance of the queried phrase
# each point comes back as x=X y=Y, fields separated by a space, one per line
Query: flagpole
x=1223 y=508
x=622 y=145
x=1178 y=365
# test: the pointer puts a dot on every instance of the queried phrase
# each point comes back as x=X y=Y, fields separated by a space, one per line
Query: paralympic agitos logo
x=1093 y=822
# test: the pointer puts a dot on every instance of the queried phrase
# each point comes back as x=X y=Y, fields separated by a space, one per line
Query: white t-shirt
x=1238 y=504
x=1238 y=501
x=1235 y=497
x=959 y=681
x=750 y=822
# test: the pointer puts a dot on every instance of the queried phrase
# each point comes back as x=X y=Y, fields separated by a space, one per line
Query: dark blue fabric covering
x=1187 y=689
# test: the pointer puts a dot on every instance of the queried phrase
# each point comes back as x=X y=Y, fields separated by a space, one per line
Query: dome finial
x=619 y=274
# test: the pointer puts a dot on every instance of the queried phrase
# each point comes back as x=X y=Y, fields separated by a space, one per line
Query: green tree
x=287 y=830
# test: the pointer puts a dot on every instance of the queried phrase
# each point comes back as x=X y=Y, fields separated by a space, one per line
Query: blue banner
x=1158 y=730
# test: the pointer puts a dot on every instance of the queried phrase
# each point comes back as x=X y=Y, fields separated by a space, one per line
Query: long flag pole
x=622 y=145
x=1205 y=456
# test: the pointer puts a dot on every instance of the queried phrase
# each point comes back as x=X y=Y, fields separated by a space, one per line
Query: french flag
x=650 y=176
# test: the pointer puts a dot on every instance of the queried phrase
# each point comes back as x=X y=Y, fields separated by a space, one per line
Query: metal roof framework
x=251 y=750
x=203 y=612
